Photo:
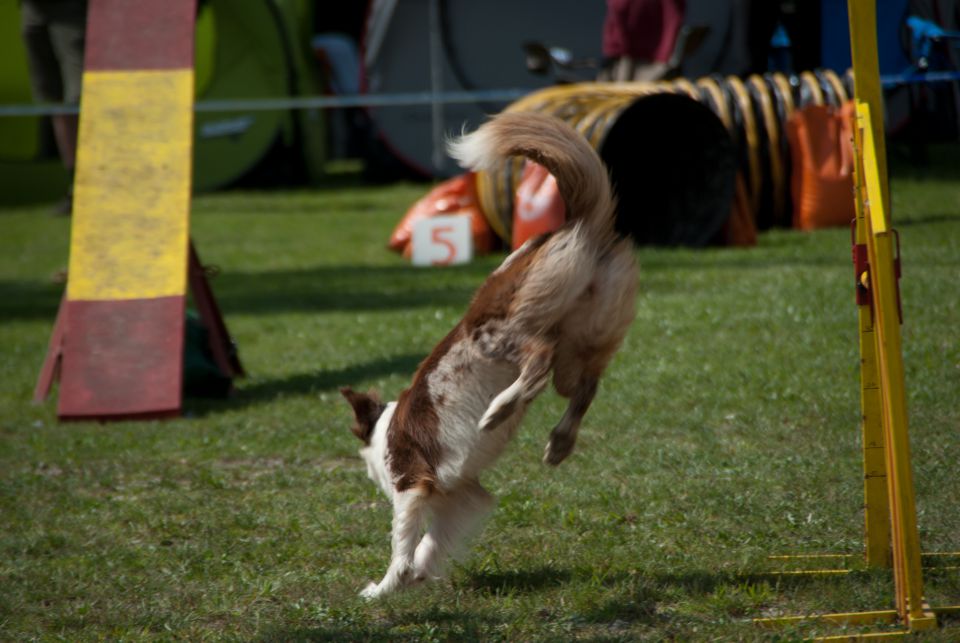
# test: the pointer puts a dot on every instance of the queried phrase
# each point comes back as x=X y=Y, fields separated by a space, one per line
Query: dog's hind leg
x=408 y=513
x=589 y=338
x=564 y=435
x=535 y=362
x=457 y=515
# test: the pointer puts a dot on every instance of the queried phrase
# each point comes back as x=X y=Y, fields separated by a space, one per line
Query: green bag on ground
x=201 y=376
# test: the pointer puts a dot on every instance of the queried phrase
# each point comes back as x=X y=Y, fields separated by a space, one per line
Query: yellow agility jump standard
x=891 y=535
x=119 y=337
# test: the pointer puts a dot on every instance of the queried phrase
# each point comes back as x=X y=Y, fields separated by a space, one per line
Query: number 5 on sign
x=442 y=241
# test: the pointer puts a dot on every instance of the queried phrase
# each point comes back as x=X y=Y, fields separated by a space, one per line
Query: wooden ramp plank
x=122 y=333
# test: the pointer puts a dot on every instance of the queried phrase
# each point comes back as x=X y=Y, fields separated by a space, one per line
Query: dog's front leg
x=456 y=516
x=536 y=358
x=408 y=513
x=564 y=435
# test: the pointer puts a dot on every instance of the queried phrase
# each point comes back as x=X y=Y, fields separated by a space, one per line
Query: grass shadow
x=702 y=582
x=332 y=633
x=520 y=580
x=927 y=219
x=935 y=161
x=345 y=288
x=29 y=300
x=334 y=288
x=414 y=625
x=300 y=384
x=636 y=607
x=315 y=382
x=636 y=602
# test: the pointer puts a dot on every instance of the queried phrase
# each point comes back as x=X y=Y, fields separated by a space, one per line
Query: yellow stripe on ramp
x=132 y=186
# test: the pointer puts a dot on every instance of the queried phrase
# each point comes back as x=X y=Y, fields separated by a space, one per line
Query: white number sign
x=442 y=241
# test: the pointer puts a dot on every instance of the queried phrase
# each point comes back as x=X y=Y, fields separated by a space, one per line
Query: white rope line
x=396 y=100
x=306 y=102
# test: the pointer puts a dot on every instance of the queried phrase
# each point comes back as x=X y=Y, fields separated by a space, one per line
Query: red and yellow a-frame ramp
x=118 y=341
x=891 y=535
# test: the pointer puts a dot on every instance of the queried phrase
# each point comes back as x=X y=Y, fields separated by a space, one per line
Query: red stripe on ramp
x=122 y=358
x=140 y=34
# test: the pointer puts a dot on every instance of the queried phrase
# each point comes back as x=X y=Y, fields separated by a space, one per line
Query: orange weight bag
x=821 y=148
x=454 y=196
x=538 y=207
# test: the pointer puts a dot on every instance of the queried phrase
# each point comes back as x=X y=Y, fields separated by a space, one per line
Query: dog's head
x=367 y=409
x=371 y=418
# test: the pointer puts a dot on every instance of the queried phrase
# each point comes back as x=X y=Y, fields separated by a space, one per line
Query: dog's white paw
x=495 y=416
x=499 y=410
x=371 y=591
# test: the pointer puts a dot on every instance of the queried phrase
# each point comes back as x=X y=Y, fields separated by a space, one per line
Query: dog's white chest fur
x=462 y=387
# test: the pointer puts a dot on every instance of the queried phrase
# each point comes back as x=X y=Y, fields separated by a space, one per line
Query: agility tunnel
x=755 y=112
x=686 y=157
x=674 y=183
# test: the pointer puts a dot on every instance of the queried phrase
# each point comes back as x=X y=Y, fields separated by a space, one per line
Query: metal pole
x=436 y=86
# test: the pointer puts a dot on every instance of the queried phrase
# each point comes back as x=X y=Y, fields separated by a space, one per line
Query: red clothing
x=642 y=29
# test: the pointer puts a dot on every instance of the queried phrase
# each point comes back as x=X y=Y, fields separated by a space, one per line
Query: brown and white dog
x=561 y=303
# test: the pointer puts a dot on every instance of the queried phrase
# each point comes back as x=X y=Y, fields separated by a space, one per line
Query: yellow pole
x=883 y=393
x=866 y=77
x=883 y=285
x=866 y=81
x=876 y=505
x=874 y=202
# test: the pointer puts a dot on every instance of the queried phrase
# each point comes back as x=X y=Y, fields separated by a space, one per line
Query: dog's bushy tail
x=581 y=175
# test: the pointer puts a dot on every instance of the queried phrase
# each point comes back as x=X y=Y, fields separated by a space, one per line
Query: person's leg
x=45 y=81
x=67 y=28
x=46 y=84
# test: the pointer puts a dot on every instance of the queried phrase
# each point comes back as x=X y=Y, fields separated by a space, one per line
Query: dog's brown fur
x=562 y=303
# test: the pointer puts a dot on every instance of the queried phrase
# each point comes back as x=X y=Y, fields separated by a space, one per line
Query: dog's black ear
x=367 y=409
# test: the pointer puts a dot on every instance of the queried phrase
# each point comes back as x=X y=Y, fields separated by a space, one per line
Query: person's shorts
x=54 y=33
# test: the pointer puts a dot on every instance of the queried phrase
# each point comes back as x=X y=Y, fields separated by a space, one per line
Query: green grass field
x=726 y=430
